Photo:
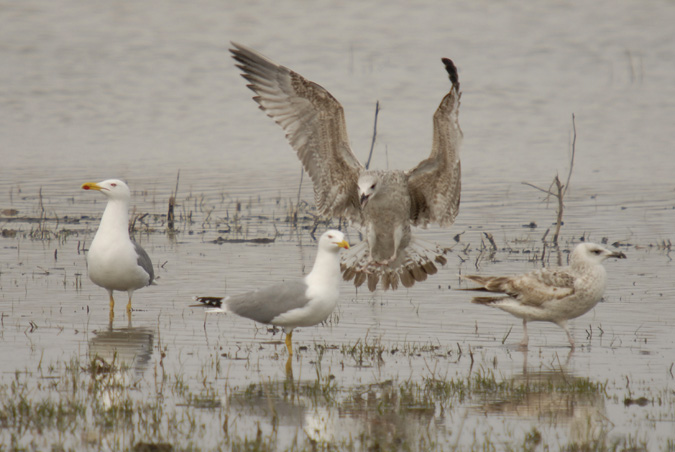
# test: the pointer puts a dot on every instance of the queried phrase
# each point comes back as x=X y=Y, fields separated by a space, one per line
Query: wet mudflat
x=142 y=91
x=420 y=369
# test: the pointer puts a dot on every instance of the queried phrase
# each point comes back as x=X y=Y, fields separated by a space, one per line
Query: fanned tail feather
x=489 y=283
x=414 y=264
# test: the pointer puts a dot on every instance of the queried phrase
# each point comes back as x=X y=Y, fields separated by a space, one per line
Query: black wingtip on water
x=214 y=302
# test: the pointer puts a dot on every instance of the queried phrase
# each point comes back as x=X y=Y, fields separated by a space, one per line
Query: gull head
x=369 y=184
x=112 y=188
x=592 y=252
x=332 y=240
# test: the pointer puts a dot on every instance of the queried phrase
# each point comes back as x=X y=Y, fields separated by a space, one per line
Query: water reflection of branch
x=484 y=250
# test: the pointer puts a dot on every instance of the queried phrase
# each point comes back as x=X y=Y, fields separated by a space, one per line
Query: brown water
x=140 y=91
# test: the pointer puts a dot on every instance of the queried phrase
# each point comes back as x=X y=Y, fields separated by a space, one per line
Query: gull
x=304 y=302
x=114 y=260
x=551 y=295
x=385 y=203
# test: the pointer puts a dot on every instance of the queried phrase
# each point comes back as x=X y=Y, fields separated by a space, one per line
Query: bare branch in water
x=574 y=150
x=560 y=188
x=170 y=218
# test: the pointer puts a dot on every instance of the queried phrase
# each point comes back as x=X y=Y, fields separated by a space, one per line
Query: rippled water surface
x=143 y=90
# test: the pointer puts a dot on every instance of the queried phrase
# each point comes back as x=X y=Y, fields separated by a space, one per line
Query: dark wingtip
x=452 y=71
x=216 y=302
x=235 y=53
x=236 y=48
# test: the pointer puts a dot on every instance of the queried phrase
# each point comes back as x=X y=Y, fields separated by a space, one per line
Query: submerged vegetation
x=109 y=404
x=362 y=393
x=220 y=218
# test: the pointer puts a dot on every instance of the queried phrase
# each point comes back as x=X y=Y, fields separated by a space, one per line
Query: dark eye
x=598 y=252
x=372 y=186
x=113 y=185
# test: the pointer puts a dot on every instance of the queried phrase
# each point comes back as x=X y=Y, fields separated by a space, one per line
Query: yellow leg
x=289 y=368
x=129 y=307
x=289 y=343
x=112 y=308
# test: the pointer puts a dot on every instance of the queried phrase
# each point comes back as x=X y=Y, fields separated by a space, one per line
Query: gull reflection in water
x=118 y=357
x=556 y=398
x=376 y=413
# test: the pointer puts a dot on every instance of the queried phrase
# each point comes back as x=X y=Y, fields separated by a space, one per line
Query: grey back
x=265 y=304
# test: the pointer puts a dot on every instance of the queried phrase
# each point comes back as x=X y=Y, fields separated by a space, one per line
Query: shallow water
x=142 y=91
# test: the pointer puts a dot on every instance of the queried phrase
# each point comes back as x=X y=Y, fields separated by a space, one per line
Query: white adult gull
x=385 y=203
x=551 y=295
x=114 y=260
x=291 y=304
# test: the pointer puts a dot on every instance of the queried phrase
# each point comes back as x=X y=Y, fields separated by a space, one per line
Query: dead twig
x=574 y=150
x=170 y=222
x=491 y=239
x=372 y=143
x=560 y=188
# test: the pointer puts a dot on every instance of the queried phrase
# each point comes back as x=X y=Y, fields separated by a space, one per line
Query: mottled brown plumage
x=551 y=295
x=385 y=203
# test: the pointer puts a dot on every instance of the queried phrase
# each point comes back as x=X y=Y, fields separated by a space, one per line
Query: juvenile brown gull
x=114 y=260
x=305 y=302
x=385 y=203
x=551 y=295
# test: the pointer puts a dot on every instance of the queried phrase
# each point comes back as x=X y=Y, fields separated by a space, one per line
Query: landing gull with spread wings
x=551 y=295
x=385 y=203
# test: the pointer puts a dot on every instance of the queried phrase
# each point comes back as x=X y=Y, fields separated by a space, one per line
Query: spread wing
x=532 y=288
x=435 y=183
x=315 y=127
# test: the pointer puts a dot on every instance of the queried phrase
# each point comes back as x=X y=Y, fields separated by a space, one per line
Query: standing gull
x=116 y=262
x=551 y=295
x=385 y=203
x=291 y=304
